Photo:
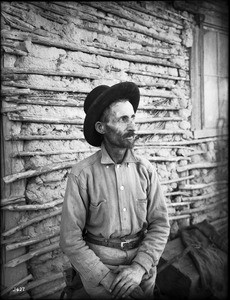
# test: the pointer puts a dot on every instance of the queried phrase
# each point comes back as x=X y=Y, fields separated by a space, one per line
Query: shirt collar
x=106 y=159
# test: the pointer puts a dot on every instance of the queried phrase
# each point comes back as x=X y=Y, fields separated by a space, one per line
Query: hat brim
x=123 y=90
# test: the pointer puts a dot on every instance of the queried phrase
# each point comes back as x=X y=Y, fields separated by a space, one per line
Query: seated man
x=114 y=219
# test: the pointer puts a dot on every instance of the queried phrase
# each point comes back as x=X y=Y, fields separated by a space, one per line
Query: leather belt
x=118 y=243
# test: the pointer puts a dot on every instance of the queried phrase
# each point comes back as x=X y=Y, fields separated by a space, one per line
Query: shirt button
x=107 y=167
x=122 y=187
x=124 y=209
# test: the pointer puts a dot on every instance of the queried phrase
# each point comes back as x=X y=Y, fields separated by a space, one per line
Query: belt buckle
x=123 y=243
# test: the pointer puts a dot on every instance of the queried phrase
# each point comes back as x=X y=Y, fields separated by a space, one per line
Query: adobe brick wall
x=56 y=54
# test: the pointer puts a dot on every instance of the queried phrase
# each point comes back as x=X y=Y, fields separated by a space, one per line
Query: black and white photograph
x=114 y=150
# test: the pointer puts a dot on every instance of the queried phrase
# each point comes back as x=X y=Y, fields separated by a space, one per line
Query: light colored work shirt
x=112 y=200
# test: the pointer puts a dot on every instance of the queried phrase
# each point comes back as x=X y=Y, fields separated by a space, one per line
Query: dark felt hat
x=100 y=98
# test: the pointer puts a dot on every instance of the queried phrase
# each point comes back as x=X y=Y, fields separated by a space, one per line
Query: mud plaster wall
x=54 y=53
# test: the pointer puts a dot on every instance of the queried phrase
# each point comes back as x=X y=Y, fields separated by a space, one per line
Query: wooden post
x=10 y=219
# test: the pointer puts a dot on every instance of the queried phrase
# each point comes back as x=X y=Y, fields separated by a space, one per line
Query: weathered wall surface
x=54 y=54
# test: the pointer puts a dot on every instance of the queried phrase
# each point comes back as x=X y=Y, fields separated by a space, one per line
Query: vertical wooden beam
x=196 y=81
x=10 y=219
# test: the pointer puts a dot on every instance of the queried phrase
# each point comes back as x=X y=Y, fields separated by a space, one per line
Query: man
x=114 y=220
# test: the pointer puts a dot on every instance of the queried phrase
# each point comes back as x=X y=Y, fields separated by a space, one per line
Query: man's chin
x=130 y=143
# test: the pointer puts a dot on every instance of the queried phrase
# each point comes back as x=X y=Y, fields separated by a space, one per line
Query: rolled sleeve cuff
x=96 y=274
x=145 y=261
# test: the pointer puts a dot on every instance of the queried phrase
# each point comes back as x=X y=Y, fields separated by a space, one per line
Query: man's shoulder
x=140 y=159
x=86 y=163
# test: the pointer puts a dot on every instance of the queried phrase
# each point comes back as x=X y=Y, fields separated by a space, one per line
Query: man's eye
x=124 y=119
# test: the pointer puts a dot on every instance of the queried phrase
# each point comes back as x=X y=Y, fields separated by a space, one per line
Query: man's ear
x=99 y=126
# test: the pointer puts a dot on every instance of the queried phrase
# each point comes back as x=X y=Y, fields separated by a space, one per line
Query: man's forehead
x=121 y=106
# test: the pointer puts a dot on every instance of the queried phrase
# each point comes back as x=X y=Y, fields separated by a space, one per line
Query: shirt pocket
x=141 y=209
x=98 y=213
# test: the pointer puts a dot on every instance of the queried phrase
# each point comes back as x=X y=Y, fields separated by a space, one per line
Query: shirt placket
x=122 y=196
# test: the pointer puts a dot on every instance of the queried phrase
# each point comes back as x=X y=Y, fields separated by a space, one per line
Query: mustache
x=129 y=134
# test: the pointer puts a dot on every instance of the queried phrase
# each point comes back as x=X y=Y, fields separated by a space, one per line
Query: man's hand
x=108 y=280
x=127 y=279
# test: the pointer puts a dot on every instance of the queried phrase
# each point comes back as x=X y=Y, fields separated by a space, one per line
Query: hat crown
x=93 y=95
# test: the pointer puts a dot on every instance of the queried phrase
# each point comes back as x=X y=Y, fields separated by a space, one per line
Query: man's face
x=120 y=126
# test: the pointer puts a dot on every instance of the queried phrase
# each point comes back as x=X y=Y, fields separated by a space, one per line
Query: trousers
x=113 y=258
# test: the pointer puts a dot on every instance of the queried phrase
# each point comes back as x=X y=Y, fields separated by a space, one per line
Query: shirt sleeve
x=158 y=229
x=74 y=212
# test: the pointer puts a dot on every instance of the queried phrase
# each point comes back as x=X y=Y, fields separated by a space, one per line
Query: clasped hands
x=125 y=279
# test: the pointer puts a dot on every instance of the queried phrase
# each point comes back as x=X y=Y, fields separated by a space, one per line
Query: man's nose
x=132 y=124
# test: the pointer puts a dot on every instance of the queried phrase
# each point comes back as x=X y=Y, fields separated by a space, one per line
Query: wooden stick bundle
x=201 y=185
x=160 y=131
x=12 y=76
x=13 y=199
x=17 y=239
x=154 y=107
x=40 y=170
x=48 y=72
x=32 y=241
x=17 y=137
x=143 y=92
x=13 y=20
x=20 y=137
x=44 y=153
x=121 y=12
x=155 y=75
x=158 y=145
x=177 y=204
x=205 y=196
x=46 y=120
x=33 y=206
x=19 y=283
x=157 y=119
x=185 y=142
x=205 y=208
x=45 y=88
x=176 y=193
x=76 y=121
x=16 y=261
x=13 y=109
x=174 y=218
x=167 y=19
x=164 y=182
x=14 y=51
x=14 y=91
x=107 y=21
x=203 y=165
x=169 y=158
x=77 y=47
x=46 y=102
x=31 y=285
x=32 y=221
